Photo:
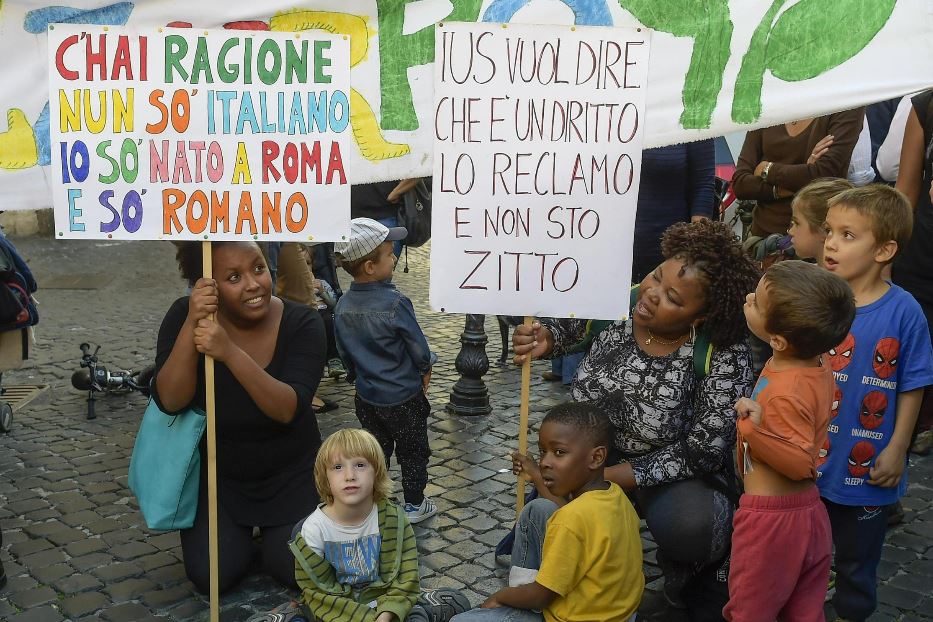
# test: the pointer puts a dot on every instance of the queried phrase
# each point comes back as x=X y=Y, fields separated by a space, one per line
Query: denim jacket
x=379 y=339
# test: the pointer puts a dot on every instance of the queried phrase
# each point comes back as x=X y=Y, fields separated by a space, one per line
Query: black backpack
x=414 y=213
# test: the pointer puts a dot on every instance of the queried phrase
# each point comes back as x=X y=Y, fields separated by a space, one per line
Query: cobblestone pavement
x=75 y=547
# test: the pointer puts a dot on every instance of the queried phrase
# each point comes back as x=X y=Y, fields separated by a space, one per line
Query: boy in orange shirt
x=801 y=311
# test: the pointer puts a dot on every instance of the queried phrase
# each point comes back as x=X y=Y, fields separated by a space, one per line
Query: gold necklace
x=663 y=342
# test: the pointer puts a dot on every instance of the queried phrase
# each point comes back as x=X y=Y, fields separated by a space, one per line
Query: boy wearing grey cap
x=386 y=352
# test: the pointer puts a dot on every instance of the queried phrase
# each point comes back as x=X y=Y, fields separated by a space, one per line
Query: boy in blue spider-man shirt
x=880 y=369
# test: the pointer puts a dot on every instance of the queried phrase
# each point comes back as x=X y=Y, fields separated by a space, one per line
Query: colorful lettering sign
x=182 y=134
x=538 y=137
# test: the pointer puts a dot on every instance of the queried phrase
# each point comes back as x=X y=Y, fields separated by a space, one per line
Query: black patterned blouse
x=669 y=425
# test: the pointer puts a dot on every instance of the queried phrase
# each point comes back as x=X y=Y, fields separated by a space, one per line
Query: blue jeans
x=526 y=553
x=566 y=366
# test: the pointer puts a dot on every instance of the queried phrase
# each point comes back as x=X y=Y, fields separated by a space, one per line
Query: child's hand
x=524 y=465
x=747 y=407
x=425 y=381
x=385 y=616
x=888 y=468
x=490 y=603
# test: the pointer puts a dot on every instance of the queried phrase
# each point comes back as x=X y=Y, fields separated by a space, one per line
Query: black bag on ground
x=414 y=214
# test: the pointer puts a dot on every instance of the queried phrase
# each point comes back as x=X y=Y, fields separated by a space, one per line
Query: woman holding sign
x=269 y=355
x=669 y=378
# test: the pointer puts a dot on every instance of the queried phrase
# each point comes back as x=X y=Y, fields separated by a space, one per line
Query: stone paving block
x=126 y=612
x=34 y=597
x=132 y=550
x=91 y=561
x=83 y=604
x=28 y=547
x=909 y=541
x=85 y=546
x=162 y=598
x=897 y=597
x=50 y=574
x=44 y=528
x=168 y=575
x=43 y=558
x=18 y=582
x=76 y=583
x=46 y=613
x=66 y=536
x=129 y=589
x=439 y=560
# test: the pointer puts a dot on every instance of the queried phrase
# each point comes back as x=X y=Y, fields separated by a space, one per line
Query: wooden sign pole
x=208 y=271
x=523 y=423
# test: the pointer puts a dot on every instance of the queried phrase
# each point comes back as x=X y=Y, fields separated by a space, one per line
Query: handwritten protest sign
x=208 y=135
x=538 y=138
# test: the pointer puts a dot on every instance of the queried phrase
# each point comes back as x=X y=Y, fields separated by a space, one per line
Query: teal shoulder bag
x=165 y=467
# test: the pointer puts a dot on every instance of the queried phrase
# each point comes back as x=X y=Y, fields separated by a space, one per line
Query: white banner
x=198 y=135
x=717 y=66
x=539 y=132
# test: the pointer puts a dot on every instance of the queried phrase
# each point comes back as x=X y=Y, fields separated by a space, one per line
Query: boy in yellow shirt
x=577 y=552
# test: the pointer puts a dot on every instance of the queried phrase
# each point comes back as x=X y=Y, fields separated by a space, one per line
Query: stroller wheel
x=6 y=417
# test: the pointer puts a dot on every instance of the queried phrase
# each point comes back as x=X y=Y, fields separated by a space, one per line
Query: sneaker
x=923 y=443
x=831 y=586
x=287 y=612
x=335 y=368
x=896 y=514
x=438 y=605
x=418 y=513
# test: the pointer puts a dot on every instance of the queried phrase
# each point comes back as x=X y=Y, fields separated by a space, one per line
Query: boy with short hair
x=356 y=559
x=881 y=369
x=801 y=311
x=386 y=352
x=581 y=560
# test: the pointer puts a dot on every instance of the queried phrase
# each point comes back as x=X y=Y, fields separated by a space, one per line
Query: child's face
x=351 y=480
x=807 y=241
x=565 y=458
x=384 y=264
x=850 y=248
x=756 y=311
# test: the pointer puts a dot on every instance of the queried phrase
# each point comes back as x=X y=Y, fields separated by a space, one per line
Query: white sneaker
x=418 y=513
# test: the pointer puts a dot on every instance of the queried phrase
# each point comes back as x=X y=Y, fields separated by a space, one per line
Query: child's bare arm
x=530 y=596
x=889 y=465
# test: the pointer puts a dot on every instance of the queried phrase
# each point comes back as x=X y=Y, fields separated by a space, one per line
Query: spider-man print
x=885 y=359
x=871 y=412
x=841 y=355
x=837 y=399
x=860 y=458
x=823 y=454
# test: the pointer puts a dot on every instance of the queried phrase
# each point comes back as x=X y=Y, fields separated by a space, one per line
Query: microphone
x=81 y=380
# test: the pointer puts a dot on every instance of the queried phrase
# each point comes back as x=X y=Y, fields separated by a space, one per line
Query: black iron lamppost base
x=469 y=396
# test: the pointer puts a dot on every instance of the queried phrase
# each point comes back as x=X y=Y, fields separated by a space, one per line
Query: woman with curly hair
x=674 y=429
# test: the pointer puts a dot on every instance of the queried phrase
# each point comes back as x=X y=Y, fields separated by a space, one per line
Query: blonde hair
x=813 y=199
x=352 y=443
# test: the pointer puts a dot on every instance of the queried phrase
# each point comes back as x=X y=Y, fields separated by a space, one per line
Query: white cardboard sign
x=183 y=134
x=538 y=137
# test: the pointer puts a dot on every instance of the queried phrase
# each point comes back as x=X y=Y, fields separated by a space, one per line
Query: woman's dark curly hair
x=727 y=271
x=189 y=257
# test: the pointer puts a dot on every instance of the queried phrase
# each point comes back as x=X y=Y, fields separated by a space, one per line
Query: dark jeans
x=691 y=522
x=235 y=546
x=858 y=536
x=327 y=315
x=404 y=430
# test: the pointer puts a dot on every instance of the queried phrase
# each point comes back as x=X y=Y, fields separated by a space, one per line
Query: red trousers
x=781 y=553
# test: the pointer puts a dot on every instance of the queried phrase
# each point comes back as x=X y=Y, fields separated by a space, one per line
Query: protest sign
x=198 y=135
x=538 y=137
